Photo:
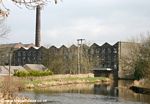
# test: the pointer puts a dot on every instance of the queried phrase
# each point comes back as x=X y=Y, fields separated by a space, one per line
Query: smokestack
x=38 y=26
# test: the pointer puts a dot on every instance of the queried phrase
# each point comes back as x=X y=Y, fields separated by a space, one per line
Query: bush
x=9 y=86
x=141 y=69
x=32 y=73
x=21 y=73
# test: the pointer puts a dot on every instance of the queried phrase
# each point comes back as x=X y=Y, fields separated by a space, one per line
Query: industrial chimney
x=38 y=26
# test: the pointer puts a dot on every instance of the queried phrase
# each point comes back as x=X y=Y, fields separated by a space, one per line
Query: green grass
x=90 y=79
x=61 y=80
x=69 y=79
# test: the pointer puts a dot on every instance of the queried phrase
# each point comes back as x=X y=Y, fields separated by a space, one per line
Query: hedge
x=32 y=73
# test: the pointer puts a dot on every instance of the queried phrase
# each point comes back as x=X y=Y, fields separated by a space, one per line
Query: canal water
x=115 y=93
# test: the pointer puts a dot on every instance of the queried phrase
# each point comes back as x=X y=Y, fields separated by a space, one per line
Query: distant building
x=112 y=56
x=102 y=72
x=24 y=56
x=37 y=67
x=64 y=60
x=103 y=57
x=4 y=70
x=7 y=50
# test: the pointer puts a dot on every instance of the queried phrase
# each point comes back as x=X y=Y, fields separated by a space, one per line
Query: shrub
x=9 y=86
x=21 y=73
x=32 y=73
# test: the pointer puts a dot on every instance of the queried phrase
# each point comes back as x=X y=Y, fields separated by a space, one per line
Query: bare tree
x=4 y=30
x=142 y=68
x=30 y=4
x=137 y=60
x=128 y=58
x=9 y=87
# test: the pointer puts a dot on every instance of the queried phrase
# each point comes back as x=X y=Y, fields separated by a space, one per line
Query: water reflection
x=109 y=90
x=121 y=89
x=127 y=94
x=113 y=92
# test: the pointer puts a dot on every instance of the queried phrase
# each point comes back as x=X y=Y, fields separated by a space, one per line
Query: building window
x=115 y=50
x=29 y=53
x=18 y=60
x=109 y=57
x=115 y=66
x=97 y=51
x=103 y=51
x=28 y=59
x=24 y=53
x=109 y=50
x=19 y=54
x=92 y=51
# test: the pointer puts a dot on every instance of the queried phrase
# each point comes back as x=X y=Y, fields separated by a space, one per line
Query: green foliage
x=142 y=62
x=140 y=69
x=32 y=73
x=21 y=73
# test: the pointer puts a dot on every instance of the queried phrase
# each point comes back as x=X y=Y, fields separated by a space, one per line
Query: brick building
x=64 y=60
x=8 y=50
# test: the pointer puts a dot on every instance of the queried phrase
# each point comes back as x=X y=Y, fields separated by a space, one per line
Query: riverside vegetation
x=138 y=61
x=10 y=85
x=57 y=80
x=32 y=73
x=43 y=79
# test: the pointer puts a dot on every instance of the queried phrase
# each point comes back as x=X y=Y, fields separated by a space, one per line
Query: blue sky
x=96 y=21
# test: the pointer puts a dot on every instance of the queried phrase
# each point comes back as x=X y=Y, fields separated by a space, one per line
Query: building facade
x=66 y=60
x=8 y=50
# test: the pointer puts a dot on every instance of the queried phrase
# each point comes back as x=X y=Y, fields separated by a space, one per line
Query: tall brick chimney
x=38 y=26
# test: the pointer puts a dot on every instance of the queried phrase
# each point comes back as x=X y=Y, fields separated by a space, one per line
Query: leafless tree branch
x=30 y=4
x=4 y=30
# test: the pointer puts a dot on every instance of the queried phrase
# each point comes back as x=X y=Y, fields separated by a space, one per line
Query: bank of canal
x=115 y=93
x=59 y=80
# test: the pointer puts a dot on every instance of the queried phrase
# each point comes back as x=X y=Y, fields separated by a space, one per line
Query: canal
x=115 y=93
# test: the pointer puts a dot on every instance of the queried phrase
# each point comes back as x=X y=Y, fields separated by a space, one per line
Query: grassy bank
x=57 y=80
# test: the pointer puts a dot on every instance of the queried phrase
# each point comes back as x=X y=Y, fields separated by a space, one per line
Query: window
x=115 y=66
x=108 y=57
x=103 y=51
x=28 y=59
x=19 y=54
x=29 y=53
x=109 y=50
x=92 y=51
x=18 y=60
x=115 y=50
x=97 y=51
x=24 y=53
